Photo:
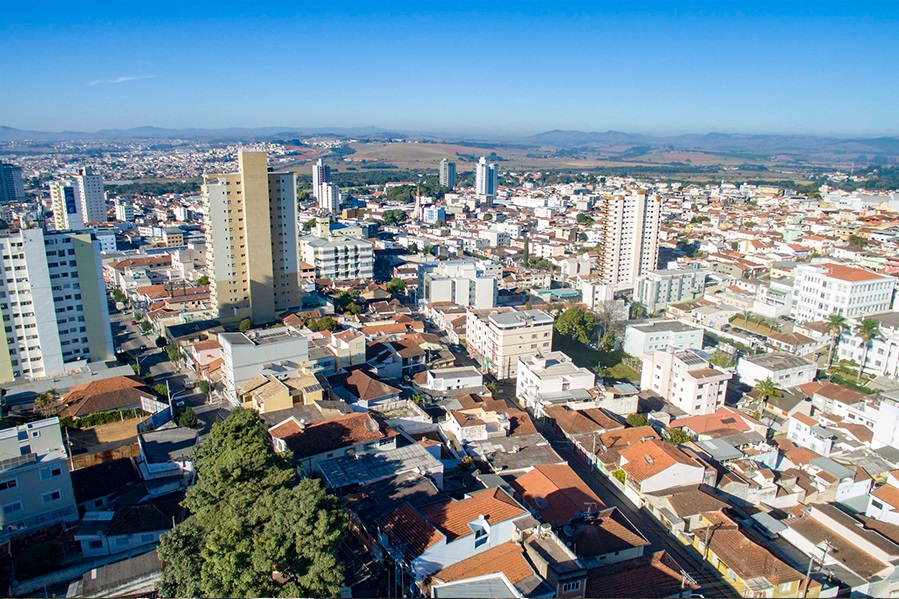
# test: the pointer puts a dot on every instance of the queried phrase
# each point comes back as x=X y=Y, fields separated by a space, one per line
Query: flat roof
x=778 y=360
x=371 y=466
x=657 y=326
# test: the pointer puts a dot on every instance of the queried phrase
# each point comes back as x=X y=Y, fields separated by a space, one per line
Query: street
x=141 y=350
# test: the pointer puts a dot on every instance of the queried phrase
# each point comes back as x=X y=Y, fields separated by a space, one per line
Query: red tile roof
x=406 y=525
x=452 y=517
x=557 y=493
x=334 y=433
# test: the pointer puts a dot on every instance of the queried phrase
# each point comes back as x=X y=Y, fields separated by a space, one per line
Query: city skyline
x=511 y=70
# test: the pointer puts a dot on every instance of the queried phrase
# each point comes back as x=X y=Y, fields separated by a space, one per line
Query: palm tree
x=767 y=389
x=836 y=324
x=867 y=330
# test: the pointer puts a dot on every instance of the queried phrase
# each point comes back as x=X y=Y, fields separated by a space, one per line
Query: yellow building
x=751 y=569
x=265 y=393
x=251 y=229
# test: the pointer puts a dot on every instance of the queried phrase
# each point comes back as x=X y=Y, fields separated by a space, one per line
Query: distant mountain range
x=236 y=133
x=616 y=141
x=724 y=142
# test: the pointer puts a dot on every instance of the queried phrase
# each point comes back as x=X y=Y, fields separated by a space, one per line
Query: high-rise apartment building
x=336 y=252
x=78 y=201
x=251 y=236
x=44 y=275
x=321 y=173
x=629 y=238
x=124 y=210
x=329 y=198
x=459 y=281
x=12 y=188
x=485 y=179
x=448 y=173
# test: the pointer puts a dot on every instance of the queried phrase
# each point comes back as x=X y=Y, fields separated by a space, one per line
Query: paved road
x=660 y=539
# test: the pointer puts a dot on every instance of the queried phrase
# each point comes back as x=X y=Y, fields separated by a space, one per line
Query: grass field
x=608 y=365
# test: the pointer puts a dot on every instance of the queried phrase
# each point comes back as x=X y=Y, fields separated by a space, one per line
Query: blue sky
x=487 y=67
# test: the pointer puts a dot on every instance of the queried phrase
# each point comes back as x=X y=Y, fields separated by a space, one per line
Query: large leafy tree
x=836 y=325
x=867 y=330
x=577 y=323
x=254 y=529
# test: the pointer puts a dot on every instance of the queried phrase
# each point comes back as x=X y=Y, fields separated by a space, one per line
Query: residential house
x=652 y=466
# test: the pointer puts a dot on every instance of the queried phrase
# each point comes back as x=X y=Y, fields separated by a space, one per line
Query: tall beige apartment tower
x=630 y=237
x=251 y=234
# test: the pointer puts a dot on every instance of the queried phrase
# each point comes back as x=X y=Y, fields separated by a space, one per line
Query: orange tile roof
x=557 y=493
x=507 y=558
x=888 y=494
x=848 y=273
x=656 y=575
x=334 y=433
x=717 y=420
x=452 y=517
x=804 y=419
x=649 y=458
x=747 y=558
x=406 y=525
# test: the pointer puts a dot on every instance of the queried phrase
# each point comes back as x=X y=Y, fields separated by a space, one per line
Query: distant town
x=333 y=366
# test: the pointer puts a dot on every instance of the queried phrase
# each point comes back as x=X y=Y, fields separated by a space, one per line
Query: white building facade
x=824 y=289
x=686 y=379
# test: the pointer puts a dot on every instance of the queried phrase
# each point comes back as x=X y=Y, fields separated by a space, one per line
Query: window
x=51 y=496
x=95 y=544
x=12 y=508
x=570 y=587
x=51 y=472
x=9 y=484
x=785 y=587
x=146 y=538
x=480 y=537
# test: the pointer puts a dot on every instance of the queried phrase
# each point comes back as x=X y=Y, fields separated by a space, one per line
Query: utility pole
x=811 y=562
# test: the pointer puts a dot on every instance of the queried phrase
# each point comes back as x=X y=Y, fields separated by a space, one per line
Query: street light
x=172 y=397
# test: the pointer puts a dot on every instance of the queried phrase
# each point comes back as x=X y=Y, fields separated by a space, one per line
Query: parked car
x=133 y=322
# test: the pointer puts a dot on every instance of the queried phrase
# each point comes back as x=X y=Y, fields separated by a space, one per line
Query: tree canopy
x=254 y=529
x=394 y=216
x=396 y=287
x=577 y=323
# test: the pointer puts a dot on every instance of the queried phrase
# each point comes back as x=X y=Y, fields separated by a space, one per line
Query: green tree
x=488 y=216
x=203 y=387
x=309 y=225
x=204 y=280
x=584 y=219
x=577 y=323
x=637 y=310
x=526 y=253
x=676 y=436
x=44 y=402
x=491 y=386
x=186 y=418
x=145 y=326
x=427 y=250
x=245 y=325
x=394 y=216
x=173 y=352
x=161 y=342
x=396 y=287
x=836 y=325
x=636 y=420
x=412 y=247
x=767 y=389
x=161 y=390
x=857 y=242
x=303 y=195
x=325 y=323
x=118 y=295
x=867 y=330
x=255 y=529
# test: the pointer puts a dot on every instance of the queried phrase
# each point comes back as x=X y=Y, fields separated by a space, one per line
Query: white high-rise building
x=251 y=237
x=485 y=179
x=78 y=201
x=51 y=274
x=124 y=210
x=329 y=198
x=321 y=173
x=93 y=200
x=630 y=237
x=820 y=290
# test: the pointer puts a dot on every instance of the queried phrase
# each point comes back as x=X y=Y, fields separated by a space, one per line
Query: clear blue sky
x=662 y=67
